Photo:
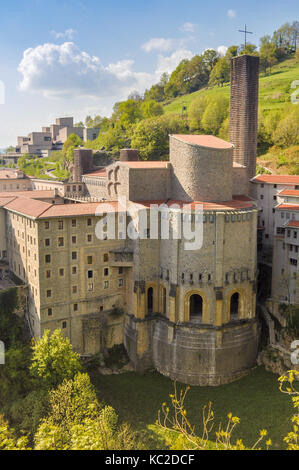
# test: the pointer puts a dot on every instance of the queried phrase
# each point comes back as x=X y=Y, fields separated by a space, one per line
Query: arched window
x=150 y=300
x=234 y=306
x=195 y=308
x=116 y=173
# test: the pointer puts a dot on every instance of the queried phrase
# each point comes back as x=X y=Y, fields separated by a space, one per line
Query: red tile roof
x=289 y=192
x=5 y=200
x=207 y=206
x=289 y=207
x=146 y=164
x=80 y=209
x=209 y=141
x=293 y=223
x=11 y=174
x=277 y=179
x=99 y=173
x=38 y=194
x=25 y=206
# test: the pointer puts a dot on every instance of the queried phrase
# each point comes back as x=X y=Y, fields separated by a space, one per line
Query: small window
x=74 y=255
x=74 y=240
x=75 y=308
x=50 y=312
x=47 y=225
x=60 y=224
x=275 y=198
x=61 y=272
x=120 y=270
x=120 y=283
x=74 y=270
x=106 y=272
x=48 y=259
x=64 y=325
x=262 y=196
x=47 y=242
x=90 y=274
x=101 y=308
x=90 y=287
x=49 y=293
x=106 y=284
x=89 y=238
x=48 y=274
x=89 y=222
x=89 y=259
x=106 y=258
x=60 y=241
x=74 y=223
x=74 y=289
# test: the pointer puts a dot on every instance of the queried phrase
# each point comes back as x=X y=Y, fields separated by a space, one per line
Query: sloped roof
x=277 y=179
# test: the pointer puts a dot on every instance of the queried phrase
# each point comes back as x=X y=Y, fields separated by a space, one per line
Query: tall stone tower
x=244 y=110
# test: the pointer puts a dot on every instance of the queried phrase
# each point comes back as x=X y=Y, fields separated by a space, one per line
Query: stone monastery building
x=190 y=313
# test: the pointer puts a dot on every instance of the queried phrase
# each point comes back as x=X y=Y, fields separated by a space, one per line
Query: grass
x=255 y=399
x=275 y=89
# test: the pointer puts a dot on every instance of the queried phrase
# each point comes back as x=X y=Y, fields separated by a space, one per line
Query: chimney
x=129 y=155
x=244 y=111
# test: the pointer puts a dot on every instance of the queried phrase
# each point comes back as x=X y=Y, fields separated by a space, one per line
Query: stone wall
x=200 y=173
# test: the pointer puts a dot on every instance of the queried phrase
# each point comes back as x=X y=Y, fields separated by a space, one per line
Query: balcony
x=122 y=258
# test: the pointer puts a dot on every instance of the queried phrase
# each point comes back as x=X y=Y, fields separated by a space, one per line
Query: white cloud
x=231 y=13
x=168 y=64
x=68 y=34
x=58 y=71
x=188 y=27
x=222 y=50
x=158 y=44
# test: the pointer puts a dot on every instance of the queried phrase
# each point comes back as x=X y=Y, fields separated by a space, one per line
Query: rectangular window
x=120 y=283
x=47 y=242
x=60 y=241
x=89 y=238
x=74 y=240
x=50 y=312
x=90 y=274
x=120 y=270
x=61 y=272
x=106 y=272
x=48 y=274
x=48 y=259
x=75 y=307
x=74 y=255
x=47 y=225
x=49 y=293
x=74 y=289
x=89 y=222
x=74 y=270
x=74 y=223
x=89 y=259
x=106 y=258
x=106 y=284
x=64 y=325
x=60 y=224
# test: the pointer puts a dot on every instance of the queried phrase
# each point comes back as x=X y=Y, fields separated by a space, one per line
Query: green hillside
x=275 y=89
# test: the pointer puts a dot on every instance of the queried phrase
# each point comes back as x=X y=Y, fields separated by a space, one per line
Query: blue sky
x=78 y=57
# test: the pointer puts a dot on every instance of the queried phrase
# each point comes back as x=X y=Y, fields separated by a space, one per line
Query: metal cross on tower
x=246 y=32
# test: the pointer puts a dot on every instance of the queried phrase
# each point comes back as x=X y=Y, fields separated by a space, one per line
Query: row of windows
x=60 y=240
x=287 y=215
x=60 y=224
x=74 y=256
x=75 y=290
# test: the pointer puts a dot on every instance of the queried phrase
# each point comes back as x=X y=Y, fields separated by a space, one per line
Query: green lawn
x=255 y=399
x=274 y=89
